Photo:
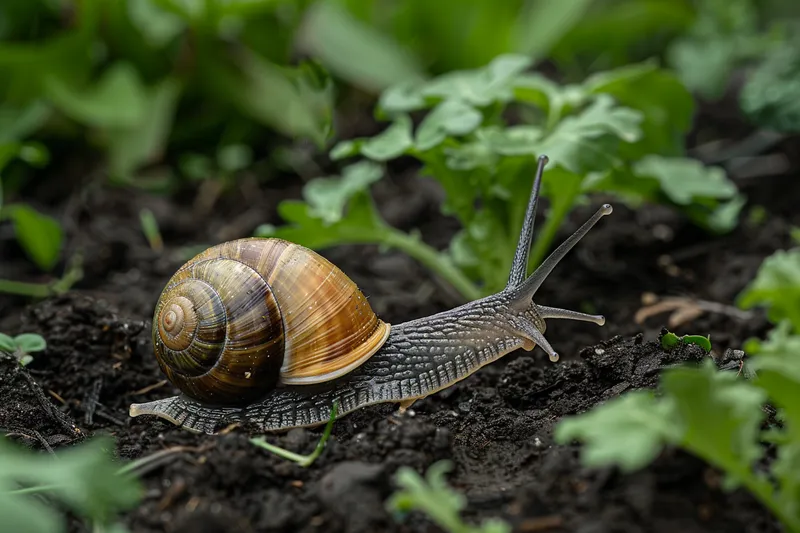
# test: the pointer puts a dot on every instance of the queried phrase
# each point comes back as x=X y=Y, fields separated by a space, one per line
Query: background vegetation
x=172 y=96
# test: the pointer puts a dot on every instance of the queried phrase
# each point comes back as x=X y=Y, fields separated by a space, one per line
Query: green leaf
x=144 y=141
x=362 y=55
x=771 y=95
x=84 y=478
x=451 y=117
x=391 y=142
x=289 y=100
x=669 y=341
x=159 y=27
x=544 y=23
x=117 y=100
x=776 y=287
x=23 y=515
x=722 y=416
x=30 y=342
x=589 y=141
x=7 y=343
x=234 y=157
x=39 y=235
x=628 y=431
x=432 y=496
x=667 y=106
x=17 y=124
x=327 y=197
x=685 y=180
x=479 y=87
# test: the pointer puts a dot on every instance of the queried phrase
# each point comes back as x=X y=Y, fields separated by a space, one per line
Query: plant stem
x=72 y=275
x=432 y=259
x=303 y=460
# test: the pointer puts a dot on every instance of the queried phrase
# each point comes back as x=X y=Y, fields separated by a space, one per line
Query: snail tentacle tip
x=554 y=357
x=607 y=209
x=601 y=320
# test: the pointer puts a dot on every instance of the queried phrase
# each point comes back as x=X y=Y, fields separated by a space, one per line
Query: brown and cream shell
x=243 y=317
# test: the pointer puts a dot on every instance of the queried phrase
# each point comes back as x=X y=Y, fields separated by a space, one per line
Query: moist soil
x=495 y=426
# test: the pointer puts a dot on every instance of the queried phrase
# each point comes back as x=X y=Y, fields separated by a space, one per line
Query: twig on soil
x=684 y=309
x=34 y=435
x=148 y=463
x=149 y=388
x=90 y=401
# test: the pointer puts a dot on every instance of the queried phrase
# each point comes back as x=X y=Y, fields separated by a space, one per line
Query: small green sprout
x=150 y=230
x=303 y=460
x=432 y=496
x=22 y=346
x=670 y=340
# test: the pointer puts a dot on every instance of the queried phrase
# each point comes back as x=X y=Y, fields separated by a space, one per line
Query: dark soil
x=495 y=426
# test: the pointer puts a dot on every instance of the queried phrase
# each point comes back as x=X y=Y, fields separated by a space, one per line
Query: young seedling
x=22 y=346
x=432 y=496
x=303 y=460
x=150 y=230
x=670 y=340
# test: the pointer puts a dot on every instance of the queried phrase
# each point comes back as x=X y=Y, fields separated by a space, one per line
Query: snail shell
x=245 y=316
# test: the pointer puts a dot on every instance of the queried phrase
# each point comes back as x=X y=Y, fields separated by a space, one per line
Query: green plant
x=619 y=132
x=22 y=346
x=712 y=414
x=84 y=479
x=303 y=460
x=670 y=340
x=432 y=496
x=776 y=287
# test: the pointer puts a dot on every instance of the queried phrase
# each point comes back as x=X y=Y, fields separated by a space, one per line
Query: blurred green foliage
x=165 y=92
x=620 y=132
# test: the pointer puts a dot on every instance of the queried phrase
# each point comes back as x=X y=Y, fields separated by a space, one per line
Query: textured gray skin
x=419 y=358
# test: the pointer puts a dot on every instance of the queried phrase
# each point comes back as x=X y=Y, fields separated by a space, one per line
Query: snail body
x=267 y=333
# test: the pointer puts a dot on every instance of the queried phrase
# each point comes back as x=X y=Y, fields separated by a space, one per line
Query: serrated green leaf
x=684 y=180
x=589 y=140
x=479 y=87
x=628 y=431
x=30 y=342
x=328 y=197
x=771 y=95
x=721 y=415
x=776 y=287
x=391 y=142
x=39 y=235
x=667 y=106
x=7 y=343
x=451 y=117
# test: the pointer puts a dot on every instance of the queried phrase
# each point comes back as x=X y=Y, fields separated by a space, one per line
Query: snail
x=267 y=333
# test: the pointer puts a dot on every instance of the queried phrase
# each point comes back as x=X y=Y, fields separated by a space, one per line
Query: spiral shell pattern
x=245 y=315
